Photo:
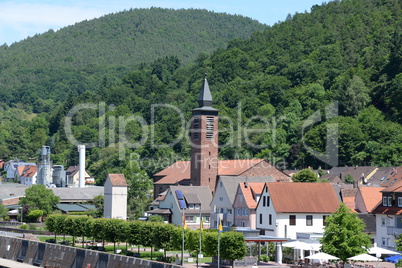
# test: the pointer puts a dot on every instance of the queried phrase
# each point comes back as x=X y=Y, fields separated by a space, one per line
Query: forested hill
x=49 y=66
x=343 y=51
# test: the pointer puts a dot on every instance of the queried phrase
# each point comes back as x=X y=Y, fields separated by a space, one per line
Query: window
x=196 y=126
x=389 y=201
x=384 y=241
x=238 y=212
x=260 y=218
x=264 y=198
x=190 y=218
x=246 y=212
x=383 y=222
x=268 y=201
x=210 y=127
x=270 y=219
x=384 y=201
x=309 y=220
x=229 y=211
x=324 y=217
x=292 y=219
x=220 y=198
x=399 y=201
x=191 y=206
x=197 y=206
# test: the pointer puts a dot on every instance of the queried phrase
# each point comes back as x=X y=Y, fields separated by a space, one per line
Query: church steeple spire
x=205 y=98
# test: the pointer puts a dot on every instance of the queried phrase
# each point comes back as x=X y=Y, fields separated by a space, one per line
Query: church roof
x=180 y=170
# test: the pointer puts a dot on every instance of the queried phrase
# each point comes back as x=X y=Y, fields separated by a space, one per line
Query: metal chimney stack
x=81 y=151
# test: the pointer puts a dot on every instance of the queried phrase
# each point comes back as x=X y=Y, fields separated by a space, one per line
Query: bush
x=165 y=259
x=147 y=254
x=24 y=226
x=264 y=258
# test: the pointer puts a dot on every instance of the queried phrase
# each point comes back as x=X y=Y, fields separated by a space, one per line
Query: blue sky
x=22 y=18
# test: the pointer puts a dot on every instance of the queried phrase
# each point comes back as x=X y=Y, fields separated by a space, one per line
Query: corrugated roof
x=77 y=194
x=117 y=180
x=299 y=197
x=75 y=207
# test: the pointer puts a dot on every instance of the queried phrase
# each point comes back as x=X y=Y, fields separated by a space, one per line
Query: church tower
x=204 y=141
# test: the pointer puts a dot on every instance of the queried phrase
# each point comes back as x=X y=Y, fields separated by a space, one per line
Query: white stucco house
x=389 y=215
x=286 y=209
x=115 y=194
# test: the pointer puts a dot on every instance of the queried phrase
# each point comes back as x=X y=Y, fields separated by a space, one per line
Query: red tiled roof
x=371 y=197
x=30 y=171
x=395 y=177
x=20 y=170
x=250 y=190
x=236 y=167
x=117 y=179
x=180 y=170
x=299 y=197
x=387 y=210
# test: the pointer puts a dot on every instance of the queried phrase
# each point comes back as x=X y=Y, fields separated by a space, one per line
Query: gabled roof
x=356 y=172
x=394 y=178
x=383 y=177
x=117 y=180
x=299 y=197
x=349 y=197
x=180 y=170
x=20 y=170
x=29 y=171
x=231 y=183
x=371 y=197
x=250 y=190
x=193 y=194
x=394 y=188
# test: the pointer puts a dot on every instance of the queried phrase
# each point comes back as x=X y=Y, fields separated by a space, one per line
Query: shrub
x=165 y=259
x=24 y=226
x=264 y=258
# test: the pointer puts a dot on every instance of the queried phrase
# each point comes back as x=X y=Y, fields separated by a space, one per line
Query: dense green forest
x=342 y=51
x=43 y=70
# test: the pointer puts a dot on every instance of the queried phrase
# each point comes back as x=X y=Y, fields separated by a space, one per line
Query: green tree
x=38 y=197
x=349 y=179
x=343 y=234
x=98 y=202
x=234 y=246
x=139 y=189
x=3 y=211
x=35 y=214
x=305 y=175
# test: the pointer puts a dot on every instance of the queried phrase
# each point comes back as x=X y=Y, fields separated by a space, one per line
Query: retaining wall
x=59 y=256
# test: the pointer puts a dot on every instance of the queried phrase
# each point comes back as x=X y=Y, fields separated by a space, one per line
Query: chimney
x=81 y=151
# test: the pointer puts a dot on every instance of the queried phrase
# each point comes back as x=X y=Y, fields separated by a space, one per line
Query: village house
x=389 y=213
x=286 y=209
x=246 y=200
x=191 y=201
